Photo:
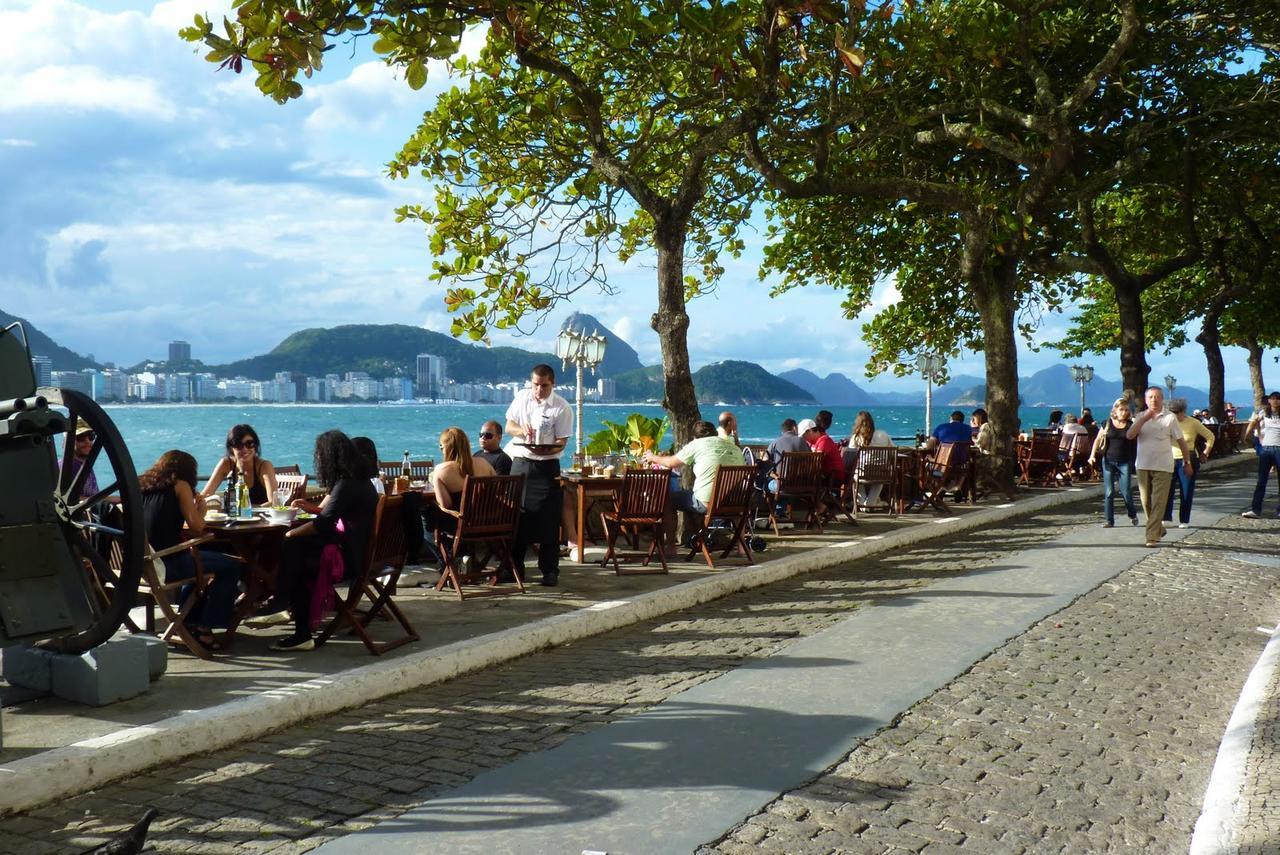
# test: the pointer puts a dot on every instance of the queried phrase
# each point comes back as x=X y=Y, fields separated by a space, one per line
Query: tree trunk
x=995 y=299
x=1210 y=340
x=671 y=323
x=1134 y=370
x=1255 y=372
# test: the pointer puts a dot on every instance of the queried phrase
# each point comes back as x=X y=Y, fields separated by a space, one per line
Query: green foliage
x=636 y=435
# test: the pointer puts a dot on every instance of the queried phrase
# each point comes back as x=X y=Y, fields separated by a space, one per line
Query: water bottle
x=242 y=501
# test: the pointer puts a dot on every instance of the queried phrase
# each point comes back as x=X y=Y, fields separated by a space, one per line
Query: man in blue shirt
x=953 y=431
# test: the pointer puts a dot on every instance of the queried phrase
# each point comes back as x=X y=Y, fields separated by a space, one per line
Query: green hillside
x=733 y=382
x=385 y=350
x=41 y=345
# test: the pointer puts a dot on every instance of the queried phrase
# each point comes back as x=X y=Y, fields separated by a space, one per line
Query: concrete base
x=121 y=668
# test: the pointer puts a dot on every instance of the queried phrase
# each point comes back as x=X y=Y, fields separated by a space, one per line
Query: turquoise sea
x=288 y=431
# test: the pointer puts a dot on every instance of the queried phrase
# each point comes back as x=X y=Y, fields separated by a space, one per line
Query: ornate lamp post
x=1170 y=383
x=930 y=366
x=583 y=350
x=1082 y=374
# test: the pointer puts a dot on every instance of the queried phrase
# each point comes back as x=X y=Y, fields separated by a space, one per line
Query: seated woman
x=865 y=435
x=351 y=501
x=369 y=451
x=169 y=501
x=244 y=457
x=457 y=464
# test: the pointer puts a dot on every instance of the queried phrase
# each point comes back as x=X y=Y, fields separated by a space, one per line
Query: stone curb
x=41 y=778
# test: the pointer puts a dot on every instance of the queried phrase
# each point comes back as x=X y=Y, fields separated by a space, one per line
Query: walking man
x=1157 y=432
x=539 y=422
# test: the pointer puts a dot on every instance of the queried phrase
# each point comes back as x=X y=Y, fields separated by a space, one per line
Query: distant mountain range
x=392 y=349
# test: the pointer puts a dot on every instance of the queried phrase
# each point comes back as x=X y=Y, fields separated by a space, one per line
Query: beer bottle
x=405 y=467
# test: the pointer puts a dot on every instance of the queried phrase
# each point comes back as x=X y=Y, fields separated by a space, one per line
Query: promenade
x=1037 y=684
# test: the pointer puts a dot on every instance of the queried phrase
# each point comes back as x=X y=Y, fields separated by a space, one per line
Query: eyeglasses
x=248 y=444
x=484 y=434
x=87 y=436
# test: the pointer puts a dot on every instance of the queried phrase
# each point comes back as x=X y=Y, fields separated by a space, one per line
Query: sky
x=146 y=197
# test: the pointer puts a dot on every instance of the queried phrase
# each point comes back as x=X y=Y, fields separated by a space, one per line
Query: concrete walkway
x=681 y=773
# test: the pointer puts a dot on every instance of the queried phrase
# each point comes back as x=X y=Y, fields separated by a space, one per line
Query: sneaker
x=550 y=580
x=1183 y=525
x=1151 y=544
x=1249 y=515
x=1107 y=525
x=295 y=642
x=1133 y=520
x=268 y=620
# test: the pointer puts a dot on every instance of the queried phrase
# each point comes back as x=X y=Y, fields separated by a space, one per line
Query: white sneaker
x=1183 y=525
x=263 y=621
x=1249 y=515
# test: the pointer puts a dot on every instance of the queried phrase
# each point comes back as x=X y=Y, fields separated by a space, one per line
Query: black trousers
x=539 y=513
x=299 y=568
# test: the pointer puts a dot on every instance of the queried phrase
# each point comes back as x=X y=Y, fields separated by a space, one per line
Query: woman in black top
x=352 y=499
x=244 y=457
x=169 y=500
x=1118 y=453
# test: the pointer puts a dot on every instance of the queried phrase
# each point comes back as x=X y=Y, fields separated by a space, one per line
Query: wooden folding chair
x=732 y=499
x=642 y=504
x=489 y=514
x=287 y=470
x=937 y=473
x=800 y=480
x=1040 y=464
x=155 y=593
x=877 y=465
x=296 y=483
x=376 y=581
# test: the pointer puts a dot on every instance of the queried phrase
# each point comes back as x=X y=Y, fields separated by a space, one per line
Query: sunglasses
x=88 y=436
x=484 y=434
x=249 y=444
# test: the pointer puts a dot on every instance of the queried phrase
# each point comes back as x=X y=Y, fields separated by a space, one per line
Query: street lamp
x=583 y=350
x=1171 y=383
x=930 y=366
x=1082 y=374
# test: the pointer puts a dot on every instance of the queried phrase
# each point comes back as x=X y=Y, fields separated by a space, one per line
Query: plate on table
x=215 y=516
x=303 y=515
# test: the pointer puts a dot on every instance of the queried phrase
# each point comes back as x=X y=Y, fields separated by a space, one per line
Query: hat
x=82 y=427
x=806 y=425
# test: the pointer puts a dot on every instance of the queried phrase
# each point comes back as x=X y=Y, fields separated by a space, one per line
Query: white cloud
x=85 y=88
x=17 y=143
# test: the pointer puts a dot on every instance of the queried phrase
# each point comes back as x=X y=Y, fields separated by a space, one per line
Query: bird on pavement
x=129 y=842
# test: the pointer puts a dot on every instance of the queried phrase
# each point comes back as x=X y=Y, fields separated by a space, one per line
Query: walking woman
x=244 y=456
x=1117 y=452
x=1266 y=425
x=168 y=501
x=351 y=501
x=1184 y=478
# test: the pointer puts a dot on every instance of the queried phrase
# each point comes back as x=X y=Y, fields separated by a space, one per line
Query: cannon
x=69 y=563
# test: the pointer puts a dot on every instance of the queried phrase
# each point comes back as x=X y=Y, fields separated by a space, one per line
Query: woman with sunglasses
x=244 y=456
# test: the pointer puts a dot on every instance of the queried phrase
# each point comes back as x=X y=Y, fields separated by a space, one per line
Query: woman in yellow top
x=1184 y=480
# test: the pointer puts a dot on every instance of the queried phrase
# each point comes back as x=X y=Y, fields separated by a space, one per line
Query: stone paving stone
x=1094 y=731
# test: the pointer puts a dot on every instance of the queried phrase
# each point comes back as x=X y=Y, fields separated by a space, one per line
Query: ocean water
x=288 y=432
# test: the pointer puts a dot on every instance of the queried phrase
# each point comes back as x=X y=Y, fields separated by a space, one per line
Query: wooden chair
x=1040 y=463
x=288 y=470
x=489 y=514
x=877 y=465
x=937 y=474
x=732 y=499
x=800 y=479
x=376 y=582
x=297 y=483
x=155 y=593
x=641 y=504
x=1070 y=454
x=419 y=470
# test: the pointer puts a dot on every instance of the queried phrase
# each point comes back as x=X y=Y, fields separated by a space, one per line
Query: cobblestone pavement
x=1094 y=731
x=295 y=789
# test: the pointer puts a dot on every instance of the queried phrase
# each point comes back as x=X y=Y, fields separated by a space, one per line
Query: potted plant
x=633 y=438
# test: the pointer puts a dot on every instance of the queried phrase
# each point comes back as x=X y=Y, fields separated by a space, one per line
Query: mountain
x=834 y=390
x=619 y=356
x=41 y=345
x=640 y=384
x=383 y=350
x=733 y=382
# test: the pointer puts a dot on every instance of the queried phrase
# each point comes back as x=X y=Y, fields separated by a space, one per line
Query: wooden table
x=257 y=544
x=582 y=491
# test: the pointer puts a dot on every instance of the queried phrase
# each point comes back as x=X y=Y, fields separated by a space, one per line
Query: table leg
x=581 y=511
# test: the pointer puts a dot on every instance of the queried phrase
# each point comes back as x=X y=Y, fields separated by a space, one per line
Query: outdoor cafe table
x=581 y=490
x=257 y=543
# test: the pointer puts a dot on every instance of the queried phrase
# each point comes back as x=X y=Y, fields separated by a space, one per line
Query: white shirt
x=1076 y=427
x=1268 y=429
x=1156 y=439
x=553 y=414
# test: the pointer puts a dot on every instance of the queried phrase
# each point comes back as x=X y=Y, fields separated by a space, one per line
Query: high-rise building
x=607 y=390
x=44 y=370
x=75 y=380
x=432 y=375
x=179 y=351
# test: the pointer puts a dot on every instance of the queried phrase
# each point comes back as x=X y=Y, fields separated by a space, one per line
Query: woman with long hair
x=1265 y=422
x=865 y=435
x=369 y=451
x=1118 y=453
x=457 y=464
x=244 y=457
x=345 y=472
x=169 y=501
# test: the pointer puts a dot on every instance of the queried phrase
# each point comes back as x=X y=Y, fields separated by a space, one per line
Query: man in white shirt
x=539 y=423
x=1157 y=433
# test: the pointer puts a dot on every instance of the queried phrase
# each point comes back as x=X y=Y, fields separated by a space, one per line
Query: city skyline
x=150 y=198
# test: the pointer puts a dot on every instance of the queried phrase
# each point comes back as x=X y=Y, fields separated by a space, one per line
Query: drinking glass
x=283 y=495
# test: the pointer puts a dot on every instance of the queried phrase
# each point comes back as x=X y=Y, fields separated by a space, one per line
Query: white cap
x=806 y=425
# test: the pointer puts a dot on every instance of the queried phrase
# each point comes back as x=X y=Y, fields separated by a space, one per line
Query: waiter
x=539 y=423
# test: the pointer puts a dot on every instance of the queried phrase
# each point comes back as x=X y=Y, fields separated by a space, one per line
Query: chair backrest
x=943 y=459
x=389 y=468
x=1067 y=442
x=293 y=481
x=876 y=464
x=800 y=472
x=420 y=470
x=387 y=546
x=732 y=491
x=1044 y=448
x=490 y=505
x=295 y=469
x=1035 y=432
x=644 y=494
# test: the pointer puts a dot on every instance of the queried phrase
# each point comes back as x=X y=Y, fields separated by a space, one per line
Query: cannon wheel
x=111 y=590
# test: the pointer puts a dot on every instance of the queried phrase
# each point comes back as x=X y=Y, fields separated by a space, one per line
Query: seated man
x=819 y=441
x=729 y=427
x=491 y=448
x=788 y=440
x=706 y=453
x=959 y=433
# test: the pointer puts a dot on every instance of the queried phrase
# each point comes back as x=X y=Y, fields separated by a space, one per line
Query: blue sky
x=146 y=198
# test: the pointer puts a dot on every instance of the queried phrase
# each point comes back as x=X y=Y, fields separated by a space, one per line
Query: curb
x=41 y=778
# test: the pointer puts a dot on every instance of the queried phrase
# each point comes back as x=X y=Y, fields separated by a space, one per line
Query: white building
x=432 y=375
x=44 y=370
